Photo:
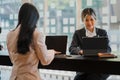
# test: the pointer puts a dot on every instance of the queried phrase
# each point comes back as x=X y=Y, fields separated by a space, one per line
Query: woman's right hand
x=57 y=52
x=54 y=51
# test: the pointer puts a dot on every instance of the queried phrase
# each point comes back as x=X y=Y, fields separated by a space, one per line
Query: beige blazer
x=25 y=67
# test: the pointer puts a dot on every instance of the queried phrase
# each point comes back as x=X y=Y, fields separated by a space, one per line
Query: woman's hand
x=81 y=52
x=55 y=52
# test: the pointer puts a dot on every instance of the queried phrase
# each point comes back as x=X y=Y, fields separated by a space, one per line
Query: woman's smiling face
x=89 y=22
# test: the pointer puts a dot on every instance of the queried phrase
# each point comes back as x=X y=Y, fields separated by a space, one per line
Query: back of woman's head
x=88 y=11
x=27 y=19
x=28 y=14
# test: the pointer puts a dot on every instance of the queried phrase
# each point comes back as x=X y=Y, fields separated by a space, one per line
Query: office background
x=62 y=17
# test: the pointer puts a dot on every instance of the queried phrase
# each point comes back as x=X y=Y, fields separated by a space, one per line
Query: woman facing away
x=26 y=46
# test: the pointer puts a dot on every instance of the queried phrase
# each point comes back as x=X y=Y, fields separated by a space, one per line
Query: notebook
x=94 y=45
x=59 y=43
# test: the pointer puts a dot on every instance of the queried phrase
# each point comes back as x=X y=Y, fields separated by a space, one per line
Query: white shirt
x=89 y=33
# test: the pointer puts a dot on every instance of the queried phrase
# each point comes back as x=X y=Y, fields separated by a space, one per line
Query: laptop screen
x=95 y=42
x=94 y=45
x=59 y=43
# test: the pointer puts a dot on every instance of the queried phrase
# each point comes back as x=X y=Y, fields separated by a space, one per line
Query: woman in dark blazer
x=76 y=44
x=89 y=19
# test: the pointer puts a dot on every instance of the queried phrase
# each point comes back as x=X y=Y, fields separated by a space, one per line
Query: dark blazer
x=76 y=44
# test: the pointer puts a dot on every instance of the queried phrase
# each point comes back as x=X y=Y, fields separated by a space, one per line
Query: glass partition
x=8 y=18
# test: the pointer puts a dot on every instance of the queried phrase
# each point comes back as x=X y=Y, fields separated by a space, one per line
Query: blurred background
x=61 y=17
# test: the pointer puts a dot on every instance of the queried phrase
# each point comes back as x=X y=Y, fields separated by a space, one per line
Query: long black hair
x=27 y=18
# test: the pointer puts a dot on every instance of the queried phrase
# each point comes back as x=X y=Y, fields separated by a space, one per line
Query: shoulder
x=80 y=30
x=14 y=32
x=100 y=30
x=10 y=34
x=37 y=34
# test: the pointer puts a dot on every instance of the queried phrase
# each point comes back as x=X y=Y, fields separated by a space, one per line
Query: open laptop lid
x=94 y=45
x=57 y=42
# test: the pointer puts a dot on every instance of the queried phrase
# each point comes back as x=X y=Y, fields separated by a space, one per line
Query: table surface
x=77 y=63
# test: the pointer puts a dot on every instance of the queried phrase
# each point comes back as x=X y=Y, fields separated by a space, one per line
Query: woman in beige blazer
x=26 y=46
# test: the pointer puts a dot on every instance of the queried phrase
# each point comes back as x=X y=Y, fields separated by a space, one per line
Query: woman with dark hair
x=26 y=46
x=89 y=19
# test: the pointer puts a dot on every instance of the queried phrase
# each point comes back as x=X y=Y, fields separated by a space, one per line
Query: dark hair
x=88 y=11
x=0 y=29
x=27 y=18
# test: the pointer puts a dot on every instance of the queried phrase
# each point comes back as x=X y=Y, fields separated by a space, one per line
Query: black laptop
x=94 y=45
x=57 y=42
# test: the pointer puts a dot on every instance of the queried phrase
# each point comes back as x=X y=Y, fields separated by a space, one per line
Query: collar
x=90 y=34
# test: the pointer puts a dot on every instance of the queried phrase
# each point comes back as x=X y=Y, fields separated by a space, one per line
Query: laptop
x=59 y=43
x=94 y=45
